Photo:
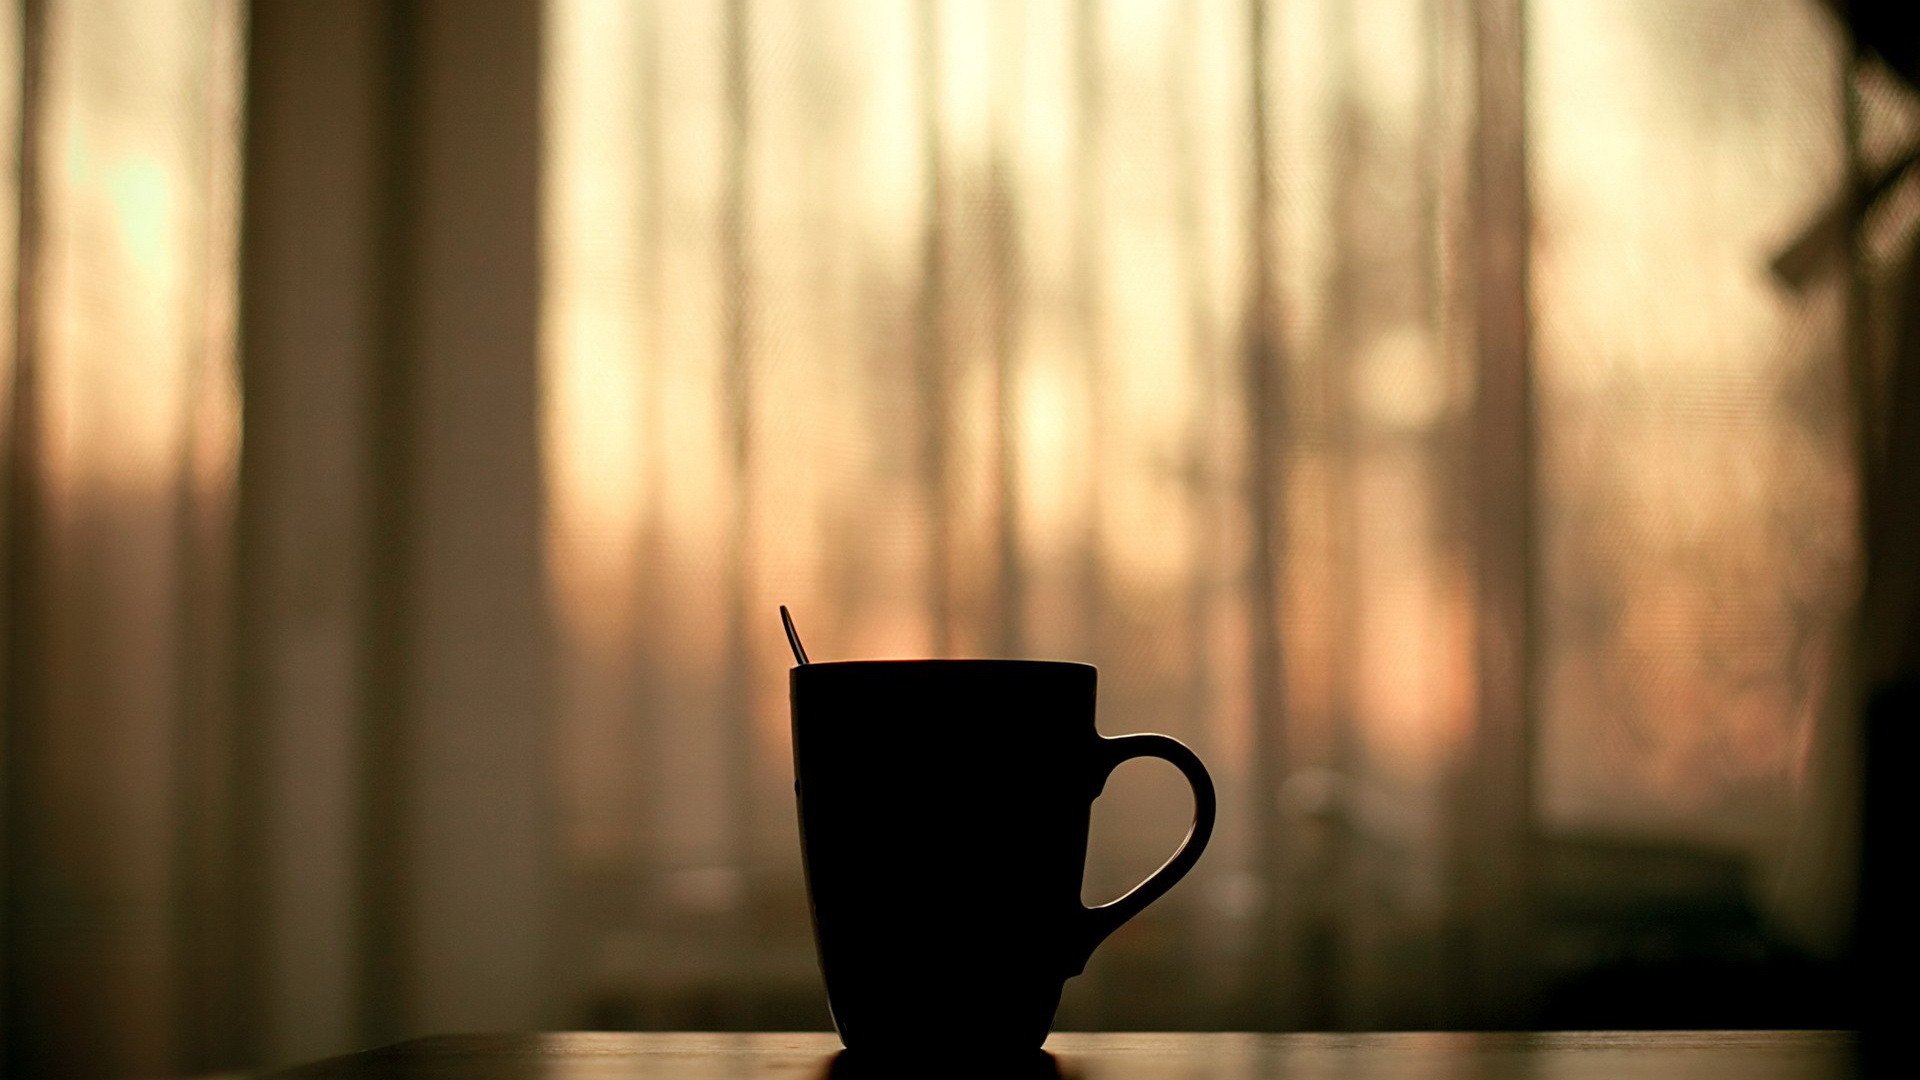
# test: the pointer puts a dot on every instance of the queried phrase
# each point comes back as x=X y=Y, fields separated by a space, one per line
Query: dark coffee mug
x=943 y=818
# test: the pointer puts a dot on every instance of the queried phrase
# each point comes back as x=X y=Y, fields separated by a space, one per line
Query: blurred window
x=930 y=320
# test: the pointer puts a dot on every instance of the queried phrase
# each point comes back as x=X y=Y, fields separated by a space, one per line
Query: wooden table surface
x=1763 y=1055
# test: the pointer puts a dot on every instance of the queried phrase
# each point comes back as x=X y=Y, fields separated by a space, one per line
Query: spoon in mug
x=793 y=637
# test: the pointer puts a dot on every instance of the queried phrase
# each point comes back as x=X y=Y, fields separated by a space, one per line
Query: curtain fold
x=121 y=458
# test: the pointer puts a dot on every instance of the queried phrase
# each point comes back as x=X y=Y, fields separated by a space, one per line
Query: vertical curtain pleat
x=122 y=453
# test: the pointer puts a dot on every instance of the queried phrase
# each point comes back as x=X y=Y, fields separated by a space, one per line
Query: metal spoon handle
x=793 y=636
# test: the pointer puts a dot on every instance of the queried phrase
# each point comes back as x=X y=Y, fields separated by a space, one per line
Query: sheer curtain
x=1407 y=403
x=1391 y=398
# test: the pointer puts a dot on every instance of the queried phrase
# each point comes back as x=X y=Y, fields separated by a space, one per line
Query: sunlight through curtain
x=1403 y=402
x=965 y=329
x=121 y=449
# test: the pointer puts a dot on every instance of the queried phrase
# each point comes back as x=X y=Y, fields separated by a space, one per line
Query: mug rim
x=939 y=662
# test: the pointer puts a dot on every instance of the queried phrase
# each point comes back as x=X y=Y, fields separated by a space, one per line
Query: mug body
x=944 y=807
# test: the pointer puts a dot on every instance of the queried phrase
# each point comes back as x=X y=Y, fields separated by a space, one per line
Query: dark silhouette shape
x=1883 y=946
x=942 y=1062
x=944 y=807
x=793 y=637
x=1889 y=29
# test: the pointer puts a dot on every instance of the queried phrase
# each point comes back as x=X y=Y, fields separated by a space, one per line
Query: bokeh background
x=1471 y=426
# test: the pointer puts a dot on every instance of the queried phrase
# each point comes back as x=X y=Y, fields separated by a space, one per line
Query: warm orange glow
x=1697 y=505
x=135 y=256
x=1094 y=249
x=9 y=223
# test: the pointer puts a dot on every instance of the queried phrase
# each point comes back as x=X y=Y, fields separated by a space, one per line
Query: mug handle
x=1105 y=919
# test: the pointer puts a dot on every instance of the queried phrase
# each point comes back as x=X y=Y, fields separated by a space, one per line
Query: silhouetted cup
x=944 y=807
